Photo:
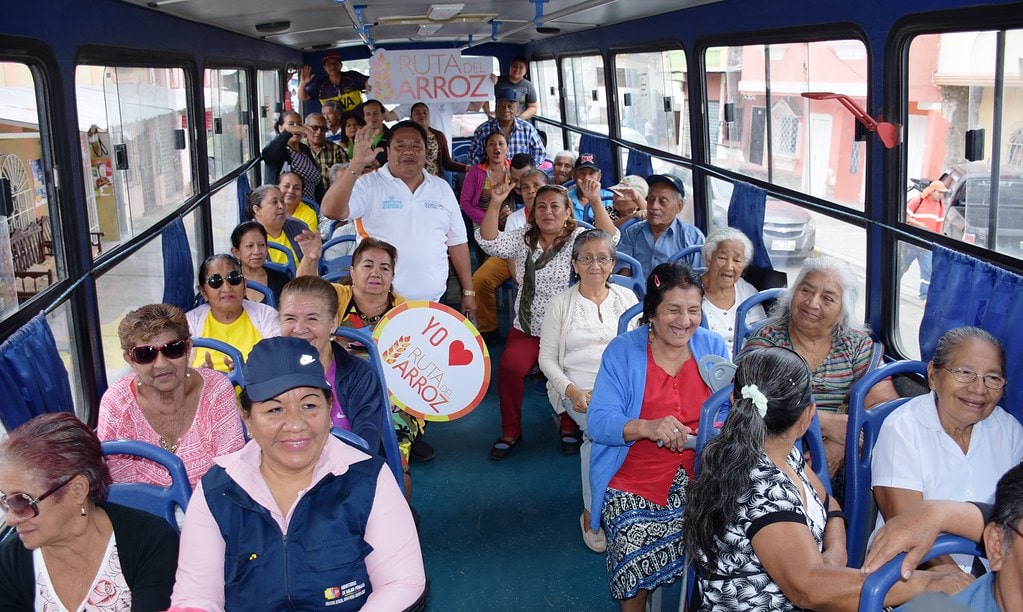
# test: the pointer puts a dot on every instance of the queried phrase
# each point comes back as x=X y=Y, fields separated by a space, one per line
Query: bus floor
x=504 y=535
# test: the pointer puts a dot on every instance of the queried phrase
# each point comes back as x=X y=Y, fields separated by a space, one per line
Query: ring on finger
x=674 y=430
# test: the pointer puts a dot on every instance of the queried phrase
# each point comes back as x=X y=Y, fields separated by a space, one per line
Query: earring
x=83 y=509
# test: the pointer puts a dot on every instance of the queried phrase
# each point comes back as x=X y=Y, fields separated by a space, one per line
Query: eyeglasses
x=317 y=128
x=965 y=376
x=24 y=505
x=214 y=281
x=589 y=260
x=147 y=354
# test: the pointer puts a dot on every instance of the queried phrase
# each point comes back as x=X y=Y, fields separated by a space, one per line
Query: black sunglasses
x=24 y=505
x=147 y=354
x=214 y=281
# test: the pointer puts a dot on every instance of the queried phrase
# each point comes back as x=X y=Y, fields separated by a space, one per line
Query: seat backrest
x=866 y=424
x=626 y=317
x=632 y=264
x=632 y=283
x=236 y=376
x=389 y=438
x=161 y=501
x=878 y=583
x=350 y=437
x=336 y=265
x=268 y=295
x=715 y=411
x=313 y=204
x=289 y=267
x=742 y=329
x=585 y=224
x=689 y=255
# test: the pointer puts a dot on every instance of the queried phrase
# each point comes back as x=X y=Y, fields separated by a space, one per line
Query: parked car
x=790 y=233
x=968 y=205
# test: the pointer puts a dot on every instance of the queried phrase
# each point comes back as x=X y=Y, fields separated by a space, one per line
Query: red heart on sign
x=458 y=355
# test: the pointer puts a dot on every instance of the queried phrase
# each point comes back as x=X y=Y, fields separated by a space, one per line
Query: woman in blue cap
x=297 y=518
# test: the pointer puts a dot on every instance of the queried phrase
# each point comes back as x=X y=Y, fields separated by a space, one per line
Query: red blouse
x=648 y=470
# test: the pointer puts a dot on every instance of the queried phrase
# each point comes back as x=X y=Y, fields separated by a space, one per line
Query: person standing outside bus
x=927 y=211
x=525 y=93
x=343 y=87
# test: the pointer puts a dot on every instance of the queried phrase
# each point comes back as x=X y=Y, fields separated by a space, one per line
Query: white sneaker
x=597 y=542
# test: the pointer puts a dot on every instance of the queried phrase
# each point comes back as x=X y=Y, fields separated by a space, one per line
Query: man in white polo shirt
x=404 y=205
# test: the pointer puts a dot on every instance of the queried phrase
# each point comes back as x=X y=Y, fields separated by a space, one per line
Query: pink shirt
x=395 y=566
x=215 y=430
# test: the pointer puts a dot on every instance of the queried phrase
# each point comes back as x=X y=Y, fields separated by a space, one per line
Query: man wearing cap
x=521 y=135
x=586 y=169
x=663 y=234
x=343 y=87
x=927 y=210
x=415 y=211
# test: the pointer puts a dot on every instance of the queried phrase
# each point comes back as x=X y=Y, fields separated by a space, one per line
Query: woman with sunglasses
x=74 y=551
x=191 y=413
x=227 y=316
x=542 y=251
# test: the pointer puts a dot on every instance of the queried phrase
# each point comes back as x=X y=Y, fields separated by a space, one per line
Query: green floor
x=504 y=535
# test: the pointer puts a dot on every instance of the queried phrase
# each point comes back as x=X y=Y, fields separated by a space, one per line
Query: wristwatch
x=468 y=293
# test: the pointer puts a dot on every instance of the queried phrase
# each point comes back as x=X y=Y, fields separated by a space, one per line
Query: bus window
x=132 y=283
x=913 y=278
x=29 y=260
x=270 y=105
x=133 y=122
x=951 y=96
x=545 y=78
x=227 y=124
x=781 y=137
x=651 y=100
x=585 y=93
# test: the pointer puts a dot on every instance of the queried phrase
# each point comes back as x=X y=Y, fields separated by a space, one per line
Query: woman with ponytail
x=760 y=527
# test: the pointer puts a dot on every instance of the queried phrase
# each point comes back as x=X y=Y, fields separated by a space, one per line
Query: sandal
x=570 y=443
x=502 y=448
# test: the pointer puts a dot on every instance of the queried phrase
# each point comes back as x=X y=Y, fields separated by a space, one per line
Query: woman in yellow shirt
x=290 y=184
x=227 y=316
x=266 y=205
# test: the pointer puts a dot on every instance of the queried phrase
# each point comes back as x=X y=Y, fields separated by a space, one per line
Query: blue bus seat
x=637 y=280
x=632 y=264
x=289 y=267
x=313 y=204
x=627 y=223
x=389 y=438
x=744 y=330
x=585 y=224
x=866 y=423
x=336 y=264
x=877 y=584
x=154 y=499
x=687 y=254
x=352 y=438
x=715 y=412
x=268 y=295
x=235 y=376
x=626 y=317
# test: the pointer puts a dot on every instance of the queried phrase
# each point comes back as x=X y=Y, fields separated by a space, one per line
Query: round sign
x=436 y=364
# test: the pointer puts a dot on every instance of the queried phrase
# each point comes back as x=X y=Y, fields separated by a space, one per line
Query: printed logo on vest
x=346 y=592
x=434 y=205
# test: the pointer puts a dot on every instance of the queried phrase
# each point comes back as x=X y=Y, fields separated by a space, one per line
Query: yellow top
x=306 y=214
x=241 y=334
x=275 y=255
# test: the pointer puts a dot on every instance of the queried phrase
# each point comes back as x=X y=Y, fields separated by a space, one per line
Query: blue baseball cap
x=672 y=181
x=280 y=364
x=506 y=93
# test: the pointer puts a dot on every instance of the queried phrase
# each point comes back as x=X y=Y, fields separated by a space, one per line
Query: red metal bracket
x=890 y=134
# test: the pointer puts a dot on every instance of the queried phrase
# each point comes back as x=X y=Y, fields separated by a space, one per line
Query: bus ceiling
x=314 y=25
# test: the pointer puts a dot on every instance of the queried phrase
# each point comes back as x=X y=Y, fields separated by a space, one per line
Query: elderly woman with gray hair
x=589 y=310
x=727 y=252
x=815 y=319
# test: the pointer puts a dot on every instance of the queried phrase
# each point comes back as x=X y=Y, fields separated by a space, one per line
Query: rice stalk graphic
x=392 y=354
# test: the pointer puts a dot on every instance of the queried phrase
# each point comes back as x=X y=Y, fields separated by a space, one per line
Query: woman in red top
x=646 y=403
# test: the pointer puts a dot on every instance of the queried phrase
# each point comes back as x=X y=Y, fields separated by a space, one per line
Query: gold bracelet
x=468 y=293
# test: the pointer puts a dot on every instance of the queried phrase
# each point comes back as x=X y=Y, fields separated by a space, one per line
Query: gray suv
x=968 y=206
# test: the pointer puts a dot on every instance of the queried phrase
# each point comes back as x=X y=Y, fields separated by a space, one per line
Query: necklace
x=368 y=320
x=167 y=447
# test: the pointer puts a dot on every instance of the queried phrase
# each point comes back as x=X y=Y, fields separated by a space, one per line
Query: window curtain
x=33 y=379
x=967 y=291
x=178 y=276
x=746 y=213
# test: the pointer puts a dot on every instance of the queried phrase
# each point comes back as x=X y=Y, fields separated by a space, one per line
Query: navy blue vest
x=319 y=565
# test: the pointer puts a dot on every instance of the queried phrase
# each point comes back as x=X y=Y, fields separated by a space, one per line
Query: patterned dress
x=738 y=581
